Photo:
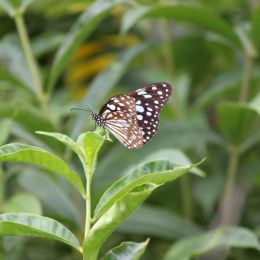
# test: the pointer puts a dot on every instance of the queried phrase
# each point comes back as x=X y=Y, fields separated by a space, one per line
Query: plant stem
x=167 y=51
x=185 y=196
x=226 y=208
x=31 y=62
x=2 y=188
x=88 y=205
x=246 y=78
x=168 y=58
x=250 y=54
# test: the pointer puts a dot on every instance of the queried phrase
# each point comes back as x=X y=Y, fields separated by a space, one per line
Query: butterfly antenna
x=83 y=109
x=90 y=107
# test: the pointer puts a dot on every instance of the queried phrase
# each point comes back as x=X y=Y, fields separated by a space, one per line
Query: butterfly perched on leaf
x=134 y=118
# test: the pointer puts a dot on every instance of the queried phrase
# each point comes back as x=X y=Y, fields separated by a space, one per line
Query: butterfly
x=134 y=118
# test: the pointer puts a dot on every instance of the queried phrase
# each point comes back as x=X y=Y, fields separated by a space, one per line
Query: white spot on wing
x=111 y=106
x=139 y=117
x=141 y=92
x=140 y=109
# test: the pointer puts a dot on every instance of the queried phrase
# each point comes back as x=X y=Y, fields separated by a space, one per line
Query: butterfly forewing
x=120 y=119
x=149 y=100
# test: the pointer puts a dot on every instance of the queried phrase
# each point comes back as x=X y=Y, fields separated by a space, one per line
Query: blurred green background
x=208 y=50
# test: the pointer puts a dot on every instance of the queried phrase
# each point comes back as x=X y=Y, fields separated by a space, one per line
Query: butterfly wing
x=134 y=119
x=120 y=119
x=148 y=103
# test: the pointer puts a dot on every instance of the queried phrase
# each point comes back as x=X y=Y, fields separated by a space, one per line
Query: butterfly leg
x=107 y=137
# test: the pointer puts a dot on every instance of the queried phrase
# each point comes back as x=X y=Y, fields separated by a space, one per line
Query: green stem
x=88 y=173
x=185 y=196
x=250 y=54
x=2 y=188
x=226 y=209
x=31 y=62
x=88 y=205
x=167 y=51
x=246 y=78
x=168 y=57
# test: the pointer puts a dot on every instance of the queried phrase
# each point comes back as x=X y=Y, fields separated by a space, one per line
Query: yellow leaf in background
x=87 y=50
x=83 y=71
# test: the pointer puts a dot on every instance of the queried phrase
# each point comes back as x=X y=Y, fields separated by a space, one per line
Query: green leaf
x=25 y=224
x=236 y=121
x=180 y=12
x=91 y=143
x=12 y=6
x=224 y=236
x=195 y=135
x=87 y=145
x=147 y=220
x=176 y=157
x=157 y=172
x=81 y=29
x=44 y=159
x=127 y=251
x=70 y=143
x=107 y=79
x=113 y=218
x=23 y=202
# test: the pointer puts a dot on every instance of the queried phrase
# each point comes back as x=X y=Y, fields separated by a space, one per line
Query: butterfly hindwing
x=120 y=119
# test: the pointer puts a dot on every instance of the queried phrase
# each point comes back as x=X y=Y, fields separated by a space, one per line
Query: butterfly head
x=99 y=120
x=95 y=116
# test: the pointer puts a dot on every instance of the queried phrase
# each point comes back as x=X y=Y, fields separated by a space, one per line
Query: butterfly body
x=134 y=118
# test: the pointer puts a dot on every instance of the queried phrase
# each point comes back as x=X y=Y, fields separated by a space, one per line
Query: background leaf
x=226 y=236
x=14 y=61
x=243 y=118
x=23 y=202
x=56 y=199
x=84 y=25
x=5 y=126
x=199 y=15
x=156 y=221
